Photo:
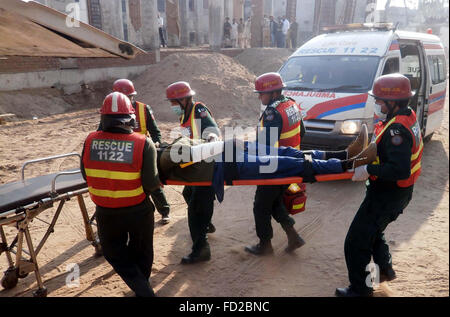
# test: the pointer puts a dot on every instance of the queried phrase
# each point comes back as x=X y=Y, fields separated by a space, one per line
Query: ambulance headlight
x=350 y=126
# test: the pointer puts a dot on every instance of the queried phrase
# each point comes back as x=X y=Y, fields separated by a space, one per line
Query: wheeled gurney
x=22 y=201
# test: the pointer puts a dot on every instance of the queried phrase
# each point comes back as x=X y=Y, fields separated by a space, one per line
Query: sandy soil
x=418 y=239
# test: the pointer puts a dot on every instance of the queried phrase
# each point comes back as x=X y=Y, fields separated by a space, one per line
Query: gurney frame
x=22 y=217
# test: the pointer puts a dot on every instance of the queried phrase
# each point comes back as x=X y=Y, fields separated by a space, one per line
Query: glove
x=361 y=174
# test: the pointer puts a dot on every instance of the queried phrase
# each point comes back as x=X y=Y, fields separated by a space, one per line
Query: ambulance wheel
x=10 y=278
x=41 y=292
x=428 y=138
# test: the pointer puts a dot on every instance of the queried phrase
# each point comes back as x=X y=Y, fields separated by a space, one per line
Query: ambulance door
x=436 y=93
x=412 y=65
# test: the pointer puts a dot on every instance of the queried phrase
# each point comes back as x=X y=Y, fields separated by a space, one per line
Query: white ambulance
x=330 y=76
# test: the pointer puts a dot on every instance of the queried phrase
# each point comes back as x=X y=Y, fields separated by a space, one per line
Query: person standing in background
x=234 y=33
x=247 y=33
x=285 y=29
x=293 y=33
x=241 y=26
x=161 y=30
x=273 y=31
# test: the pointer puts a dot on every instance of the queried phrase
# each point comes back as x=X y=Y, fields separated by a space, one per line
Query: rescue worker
x=197 y=123
x=390 y=187
x=283 y=116
x=120 y=169
x=146 y=124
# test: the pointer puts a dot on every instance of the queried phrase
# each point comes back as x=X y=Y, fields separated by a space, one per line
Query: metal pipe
x=46 y=159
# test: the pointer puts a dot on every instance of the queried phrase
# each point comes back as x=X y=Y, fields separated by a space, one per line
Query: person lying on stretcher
x=189 y=160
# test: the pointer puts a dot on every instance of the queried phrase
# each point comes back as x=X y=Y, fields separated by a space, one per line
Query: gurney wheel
x=10 y=278
x=41 y=292
x=23 y=275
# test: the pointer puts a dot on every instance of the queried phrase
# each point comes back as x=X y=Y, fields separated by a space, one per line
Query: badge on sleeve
x=397 y=139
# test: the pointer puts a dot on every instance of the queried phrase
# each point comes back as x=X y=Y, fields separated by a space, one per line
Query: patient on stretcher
x=195 y=161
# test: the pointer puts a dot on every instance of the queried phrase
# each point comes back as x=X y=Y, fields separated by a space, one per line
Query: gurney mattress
x=21 y=193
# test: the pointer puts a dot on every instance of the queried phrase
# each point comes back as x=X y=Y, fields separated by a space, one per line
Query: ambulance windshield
x=330 y=73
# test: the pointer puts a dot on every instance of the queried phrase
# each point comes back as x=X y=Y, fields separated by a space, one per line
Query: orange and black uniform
x=146 y=125
x=120 y=169
x=389 y=191
x=281 y=124
x=196 y=122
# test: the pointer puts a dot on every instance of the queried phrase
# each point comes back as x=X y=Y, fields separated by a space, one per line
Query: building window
x=205 y=4
x=162 y=6
x=191 y=5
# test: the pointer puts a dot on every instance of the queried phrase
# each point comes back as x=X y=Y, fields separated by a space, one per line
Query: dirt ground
x=418 y=240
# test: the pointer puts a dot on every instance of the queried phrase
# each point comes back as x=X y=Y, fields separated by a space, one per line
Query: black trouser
x=269 y=203
x=365 y=238
x=161 y=37
x=126 y=237
x=200 y=201
x=160 y=201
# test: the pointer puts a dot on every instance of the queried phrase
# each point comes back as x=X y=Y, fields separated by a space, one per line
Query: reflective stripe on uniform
x=290 y=134
x=142 y=121
x=416 y=167
x=299 y=206
x=416 y=155
x=116 y=194
x=112 y=174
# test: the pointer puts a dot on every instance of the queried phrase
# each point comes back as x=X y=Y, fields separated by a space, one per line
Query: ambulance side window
x=391 y=66
x=441 y=68
x=437 y=69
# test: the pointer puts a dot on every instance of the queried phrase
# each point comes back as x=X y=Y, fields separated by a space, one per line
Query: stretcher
x=22 y=201
x=273 y=181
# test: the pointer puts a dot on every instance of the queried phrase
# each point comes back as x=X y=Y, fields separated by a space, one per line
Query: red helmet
x=124 y=86
x=117 y=103
x=179 y=90
x=392 y=87
x=269 y=82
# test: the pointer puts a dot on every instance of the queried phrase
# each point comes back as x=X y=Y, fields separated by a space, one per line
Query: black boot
x=211 y=228
x=350 y=292
x=262 y=248
x=204 y=254
x=294 y=239
x=387 y=274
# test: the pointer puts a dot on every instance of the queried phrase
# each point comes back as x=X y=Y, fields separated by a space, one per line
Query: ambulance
x=330 y=76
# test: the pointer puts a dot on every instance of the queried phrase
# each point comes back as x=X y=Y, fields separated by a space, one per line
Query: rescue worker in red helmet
x=197 y=123
x=390 y=187
x=146 y=124
x=120 y=169
x=282 y=117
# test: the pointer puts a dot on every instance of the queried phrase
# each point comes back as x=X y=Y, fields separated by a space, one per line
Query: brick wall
x=25 y=64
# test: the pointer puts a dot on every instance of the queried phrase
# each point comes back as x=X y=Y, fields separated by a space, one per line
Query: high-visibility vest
x=190 y=127
x=113 y=164
x=141 y=118
x=411 y=124
x=291 y=116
